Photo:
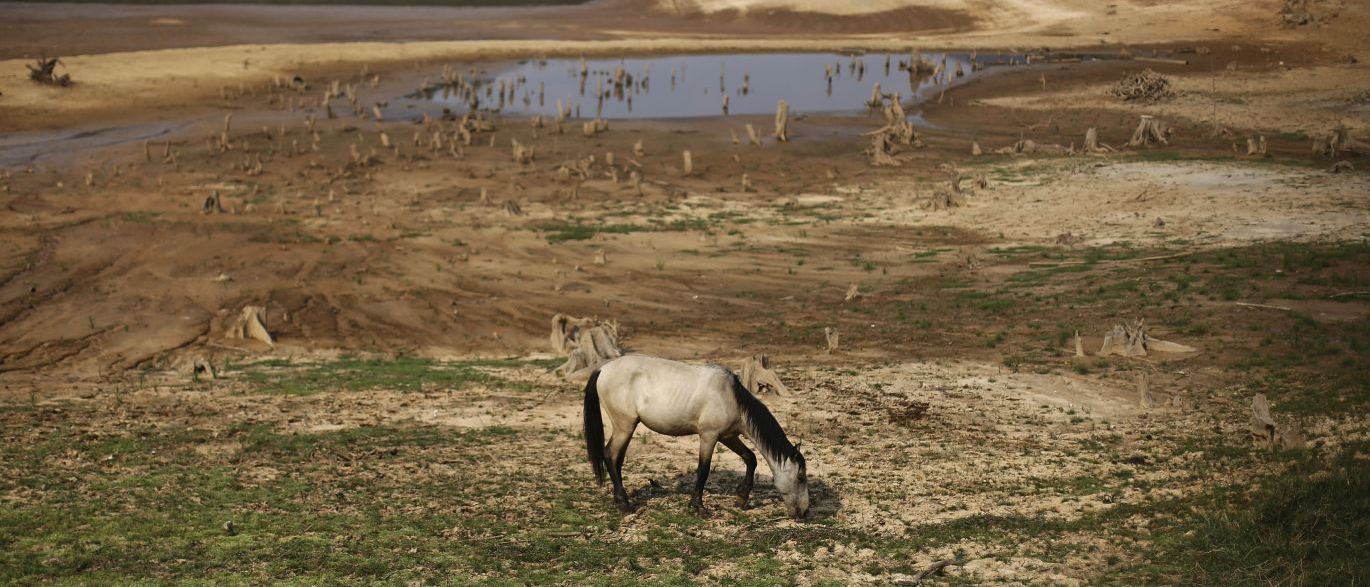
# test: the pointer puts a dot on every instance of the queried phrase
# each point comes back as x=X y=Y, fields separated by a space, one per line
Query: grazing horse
x=677 y=399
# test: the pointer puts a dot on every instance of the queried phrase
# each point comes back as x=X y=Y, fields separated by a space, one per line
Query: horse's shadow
x=720 y=492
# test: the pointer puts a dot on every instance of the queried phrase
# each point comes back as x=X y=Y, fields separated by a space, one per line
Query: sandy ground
x=118 y=84
x=300 y=229
x=363 y=236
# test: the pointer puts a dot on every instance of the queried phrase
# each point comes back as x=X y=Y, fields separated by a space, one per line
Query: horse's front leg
x=744 y=490
x=706 y=459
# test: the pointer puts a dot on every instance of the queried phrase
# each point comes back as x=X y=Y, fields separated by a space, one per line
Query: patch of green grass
x=401 y=374
x=576 y=231
x=140 y=216
x=1309 y=526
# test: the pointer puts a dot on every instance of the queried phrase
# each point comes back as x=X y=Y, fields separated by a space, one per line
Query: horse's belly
x=661 y=424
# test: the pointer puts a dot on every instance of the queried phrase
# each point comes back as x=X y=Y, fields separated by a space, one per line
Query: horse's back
x=668 y=396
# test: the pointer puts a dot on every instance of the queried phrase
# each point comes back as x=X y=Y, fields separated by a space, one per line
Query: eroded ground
x=406 y=427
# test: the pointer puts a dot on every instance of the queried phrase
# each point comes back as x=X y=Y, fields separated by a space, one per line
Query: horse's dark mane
x=764 y=430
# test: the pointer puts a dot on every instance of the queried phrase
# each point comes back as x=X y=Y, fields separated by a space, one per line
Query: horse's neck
x=772 y=457
x=771 y=449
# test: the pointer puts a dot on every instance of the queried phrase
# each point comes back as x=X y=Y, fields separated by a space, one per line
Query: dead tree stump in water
x=782 y=121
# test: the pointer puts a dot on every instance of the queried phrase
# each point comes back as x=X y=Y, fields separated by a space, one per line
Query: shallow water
x=693 y=85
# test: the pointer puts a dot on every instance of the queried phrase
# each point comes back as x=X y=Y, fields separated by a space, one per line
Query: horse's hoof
x=743 y=503
x=699 y=509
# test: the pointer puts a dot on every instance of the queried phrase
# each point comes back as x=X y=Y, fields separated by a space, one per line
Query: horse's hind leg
x=744 y=491
x=613 y=458
x=706 y=459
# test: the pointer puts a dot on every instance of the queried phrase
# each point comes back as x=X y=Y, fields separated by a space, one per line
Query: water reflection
x=702 y=85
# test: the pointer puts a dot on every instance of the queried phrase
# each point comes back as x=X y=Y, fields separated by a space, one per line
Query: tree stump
x=250 y=324
x=212 y=204
x=587 y=344
x=782 y=121
x=758 y=376
x=1150 y=131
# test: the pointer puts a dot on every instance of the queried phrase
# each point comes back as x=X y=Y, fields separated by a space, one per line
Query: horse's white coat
x=679 y=399
x=671 y=398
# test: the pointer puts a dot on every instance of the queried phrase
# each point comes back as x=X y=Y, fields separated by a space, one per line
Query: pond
x=681 y=86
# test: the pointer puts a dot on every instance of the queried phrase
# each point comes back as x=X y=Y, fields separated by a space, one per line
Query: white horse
x=677 y=399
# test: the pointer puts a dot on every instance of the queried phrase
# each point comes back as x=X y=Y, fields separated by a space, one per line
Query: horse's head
x=792 y=481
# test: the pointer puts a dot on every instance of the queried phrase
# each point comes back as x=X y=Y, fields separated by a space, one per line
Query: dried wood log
x=1267 y=433
x=250 y=324
x=877 y=99
x=1337 y=142
x=201 y=367
x=1131 y=340
x=1092 y=144
x=1144 y=86
x=931 y=570
x=1150 y=131
x=782 y=121
x=43 y=71
x=212 y=204
x=757 y=376
x=945 y=200
x=522 y=154
x=587 y=344
x=753 y=137
x=881 y=151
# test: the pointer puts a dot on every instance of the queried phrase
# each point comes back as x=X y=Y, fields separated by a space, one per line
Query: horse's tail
x=594 y=428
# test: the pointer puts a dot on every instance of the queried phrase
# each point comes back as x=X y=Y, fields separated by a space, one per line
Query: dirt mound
x=817 y=17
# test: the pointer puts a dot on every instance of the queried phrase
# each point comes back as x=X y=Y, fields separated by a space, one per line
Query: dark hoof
x=743 y=503
x=699 y=509
x=625 y=507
